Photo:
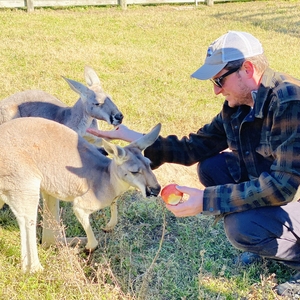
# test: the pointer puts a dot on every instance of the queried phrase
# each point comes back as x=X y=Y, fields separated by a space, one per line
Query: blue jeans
x=272 y=232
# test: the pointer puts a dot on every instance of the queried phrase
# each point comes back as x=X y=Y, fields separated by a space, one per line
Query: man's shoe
x=247 y=258
x=290 y=288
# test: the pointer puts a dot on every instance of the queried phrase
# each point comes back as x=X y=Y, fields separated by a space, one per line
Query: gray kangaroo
x=93 y=104
x=38 y=154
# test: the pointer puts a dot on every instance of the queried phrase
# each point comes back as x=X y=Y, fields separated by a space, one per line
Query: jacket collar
x=264 y=90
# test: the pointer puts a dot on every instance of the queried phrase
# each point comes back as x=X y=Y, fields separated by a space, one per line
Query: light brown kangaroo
x=93 y=104
x=38 y=154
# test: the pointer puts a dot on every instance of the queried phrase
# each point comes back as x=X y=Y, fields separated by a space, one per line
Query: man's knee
x=214 y=171
x=241 y=231
x=232 y=229
x=204 y=172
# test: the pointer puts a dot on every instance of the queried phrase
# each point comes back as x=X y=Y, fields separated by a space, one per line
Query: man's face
x=234 y=87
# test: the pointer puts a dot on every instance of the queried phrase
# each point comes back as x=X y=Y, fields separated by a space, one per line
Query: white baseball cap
x=231 y=46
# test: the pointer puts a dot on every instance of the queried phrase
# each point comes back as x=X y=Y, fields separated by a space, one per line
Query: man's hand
x=192 y=206
x=120 y=132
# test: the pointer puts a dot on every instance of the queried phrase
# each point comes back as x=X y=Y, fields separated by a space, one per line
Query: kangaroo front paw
x=108 y=228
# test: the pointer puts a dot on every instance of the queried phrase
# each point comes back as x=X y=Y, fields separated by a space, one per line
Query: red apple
x=170 y=195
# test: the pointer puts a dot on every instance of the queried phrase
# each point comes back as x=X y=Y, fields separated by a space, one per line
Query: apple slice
x=171 y=195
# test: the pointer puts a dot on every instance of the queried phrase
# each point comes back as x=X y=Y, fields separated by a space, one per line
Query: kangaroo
x=93 y=104
x=38 y=154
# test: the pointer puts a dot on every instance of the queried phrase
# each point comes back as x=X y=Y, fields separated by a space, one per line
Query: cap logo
x=209 y=52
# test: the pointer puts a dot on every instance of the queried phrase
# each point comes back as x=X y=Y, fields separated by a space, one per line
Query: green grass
x=144 y=57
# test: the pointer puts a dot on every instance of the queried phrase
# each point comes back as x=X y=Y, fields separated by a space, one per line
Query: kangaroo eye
x=135 y=171
x=97 y=104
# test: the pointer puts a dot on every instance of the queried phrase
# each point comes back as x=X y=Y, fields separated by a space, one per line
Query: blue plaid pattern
x=265 y=141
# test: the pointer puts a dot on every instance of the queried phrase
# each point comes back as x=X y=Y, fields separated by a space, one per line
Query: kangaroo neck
x=119 y=185
x=80 y=120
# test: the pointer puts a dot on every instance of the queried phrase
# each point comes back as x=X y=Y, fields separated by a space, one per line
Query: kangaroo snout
x=153 y=191
x=116 y=119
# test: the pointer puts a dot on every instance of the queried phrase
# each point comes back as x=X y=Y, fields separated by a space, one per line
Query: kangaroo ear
x=91 y=77
x=148 y=139
x=78 y=88
x=116 y=151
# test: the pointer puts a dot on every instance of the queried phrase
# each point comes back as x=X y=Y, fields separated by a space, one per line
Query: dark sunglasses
x=218 y=81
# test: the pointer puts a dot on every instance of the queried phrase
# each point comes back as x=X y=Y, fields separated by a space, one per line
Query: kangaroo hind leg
x=52 y=231
x=24 y=205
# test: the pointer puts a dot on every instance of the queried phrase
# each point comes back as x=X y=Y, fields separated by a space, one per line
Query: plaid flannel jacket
x=265 y=140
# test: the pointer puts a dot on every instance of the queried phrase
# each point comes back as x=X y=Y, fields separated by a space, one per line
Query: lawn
x=144 y=57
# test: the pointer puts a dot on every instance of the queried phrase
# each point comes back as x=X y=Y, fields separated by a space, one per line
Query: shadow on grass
x=280 y=18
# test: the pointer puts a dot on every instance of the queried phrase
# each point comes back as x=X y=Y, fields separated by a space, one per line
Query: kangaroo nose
x=153 y=191
x=119 y=117
x=116 y=119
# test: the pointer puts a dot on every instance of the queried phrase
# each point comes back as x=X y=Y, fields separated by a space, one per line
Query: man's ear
x=249 y=68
